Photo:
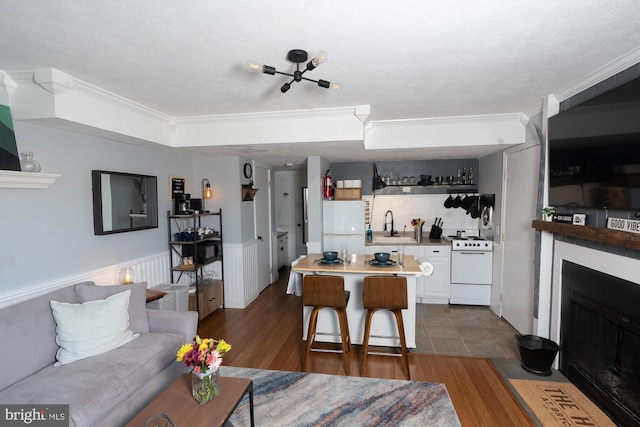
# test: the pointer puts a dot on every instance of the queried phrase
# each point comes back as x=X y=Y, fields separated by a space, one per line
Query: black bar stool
x=385 y=293
x=326 y=292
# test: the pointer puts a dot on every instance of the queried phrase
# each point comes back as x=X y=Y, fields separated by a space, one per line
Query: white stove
x=471 y=270
x=473 y=243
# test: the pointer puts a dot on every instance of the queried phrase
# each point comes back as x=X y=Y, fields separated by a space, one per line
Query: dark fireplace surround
x=600 y=339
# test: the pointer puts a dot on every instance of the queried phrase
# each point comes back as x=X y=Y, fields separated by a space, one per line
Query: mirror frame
x=151 y=201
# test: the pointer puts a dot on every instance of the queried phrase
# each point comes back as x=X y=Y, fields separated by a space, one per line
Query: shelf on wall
x=248 y=193
x=594 y=234
x=36 y=180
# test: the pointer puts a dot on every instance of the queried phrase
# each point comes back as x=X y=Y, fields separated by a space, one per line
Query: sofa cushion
x=98 y=384
x=29 y=327
x=91 y=328
x=137 y=301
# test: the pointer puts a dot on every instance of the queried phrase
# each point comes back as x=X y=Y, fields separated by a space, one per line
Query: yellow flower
x=223 y=347
x=183 y=350
x=203 y=346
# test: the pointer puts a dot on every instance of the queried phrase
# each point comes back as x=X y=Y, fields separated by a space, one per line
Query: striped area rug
x=283 y=398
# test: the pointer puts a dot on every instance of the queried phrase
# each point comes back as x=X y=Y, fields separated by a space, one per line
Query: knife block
x=436 y=232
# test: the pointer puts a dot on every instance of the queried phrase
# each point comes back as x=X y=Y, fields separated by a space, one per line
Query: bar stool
x=385 y=293
x=326 y=292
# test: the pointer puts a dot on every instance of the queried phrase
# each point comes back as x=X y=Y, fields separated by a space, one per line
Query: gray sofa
x=107 y=389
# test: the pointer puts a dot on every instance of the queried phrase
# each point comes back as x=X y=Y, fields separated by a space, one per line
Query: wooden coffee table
x=178 y=402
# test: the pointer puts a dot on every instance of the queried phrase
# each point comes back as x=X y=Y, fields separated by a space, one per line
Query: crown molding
x=612 y=68
x=7 y=87
x=453 y=120
x=274 y=115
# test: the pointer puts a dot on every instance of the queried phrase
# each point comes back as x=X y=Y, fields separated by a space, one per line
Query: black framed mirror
x=123 y=202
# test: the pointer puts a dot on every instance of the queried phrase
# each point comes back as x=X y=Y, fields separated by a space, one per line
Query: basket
x=348 y=193
x=537 y=353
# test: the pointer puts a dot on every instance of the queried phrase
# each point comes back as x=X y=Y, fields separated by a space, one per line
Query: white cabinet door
x=437 y=286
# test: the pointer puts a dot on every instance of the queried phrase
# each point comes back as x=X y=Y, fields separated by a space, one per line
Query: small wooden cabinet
x=210 y=298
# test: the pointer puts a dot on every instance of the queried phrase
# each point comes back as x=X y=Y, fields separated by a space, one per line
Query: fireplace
x=600 y=339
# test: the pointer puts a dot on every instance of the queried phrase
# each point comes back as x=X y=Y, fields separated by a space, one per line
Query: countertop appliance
x=343 y=223
x=471 y=270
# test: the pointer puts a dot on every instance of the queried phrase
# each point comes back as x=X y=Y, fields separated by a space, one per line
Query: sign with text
x=34 y=415
x=621 y=224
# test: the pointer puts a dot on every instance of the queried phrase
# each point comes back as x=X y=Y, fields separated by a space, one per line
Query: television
x=594 y=151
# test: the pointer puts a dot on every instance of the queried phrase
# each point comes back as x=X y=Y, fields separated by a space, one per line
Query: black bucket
x=537 y=353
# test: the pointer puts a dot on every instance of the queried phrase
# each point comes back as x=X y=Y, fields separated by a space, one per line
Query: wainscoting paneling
x=153 y=269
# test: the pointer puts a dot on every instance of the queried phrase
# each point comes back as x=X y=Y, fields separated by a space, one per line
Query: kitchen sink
x=393 y=239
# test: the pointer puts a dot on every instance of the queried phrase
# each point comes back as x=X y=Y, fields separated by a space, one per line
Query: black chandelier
x=297 y=56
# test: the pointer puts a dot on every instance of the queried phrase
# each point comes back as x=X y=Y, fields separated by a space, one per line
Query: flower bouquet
x=205 y=357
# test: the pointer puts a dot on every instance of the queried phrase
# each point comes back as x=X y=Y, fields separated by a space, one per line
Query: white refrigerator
x=343 y=223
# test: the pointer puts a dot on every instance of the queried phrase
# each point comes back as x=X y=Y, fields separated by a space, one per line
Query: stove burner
x=466 y=238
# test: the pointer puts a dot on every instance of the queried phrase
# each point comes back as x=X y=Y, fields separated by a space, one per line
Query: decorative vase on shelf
x=205 y=386
x=27 y=164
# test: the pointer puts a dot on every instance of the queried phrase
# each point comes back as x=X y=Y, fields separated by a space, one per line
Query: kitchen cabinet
x=432 y=289
x=194 y=244
x=435 y=289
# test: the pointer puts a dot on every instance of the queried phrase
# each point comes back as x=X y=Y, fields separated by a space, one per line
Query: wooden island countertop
x=359 y=264
x=354 y=273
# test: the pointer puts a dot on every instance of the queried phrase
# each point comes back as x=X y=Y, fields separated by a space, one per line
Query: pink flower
x=196 y=369
x=214 y=360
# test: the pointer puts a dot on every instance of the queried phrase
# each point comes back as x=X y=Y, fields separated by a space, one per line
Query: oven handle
x=472 y=253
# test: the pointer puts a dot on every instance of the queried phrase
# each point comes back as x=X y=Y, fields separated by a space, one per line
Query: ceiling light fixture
x=297 y=56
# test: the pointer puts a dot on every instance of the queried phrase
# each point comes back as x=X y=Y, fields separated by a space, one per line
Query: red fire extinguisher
x=327 y=189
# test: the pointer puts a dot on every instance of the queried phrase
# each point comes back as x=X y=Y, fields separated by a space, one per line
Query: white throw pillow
x=91 y=328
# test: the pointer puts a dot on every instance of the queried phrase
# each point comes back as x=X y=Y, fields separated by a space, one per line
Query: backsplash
x=424 y=206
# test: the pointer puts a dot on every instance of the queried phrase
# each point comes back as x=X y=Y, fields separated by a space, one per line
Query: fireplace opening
x=600 y=340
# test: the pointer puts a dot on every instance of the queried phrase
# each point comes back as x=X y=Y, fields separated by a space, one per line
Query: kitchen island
x=354 y=272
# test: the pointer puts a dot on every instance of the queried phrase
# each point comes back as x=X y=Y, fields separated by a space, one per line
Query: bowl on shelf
x=330 y=255
x=381 y=256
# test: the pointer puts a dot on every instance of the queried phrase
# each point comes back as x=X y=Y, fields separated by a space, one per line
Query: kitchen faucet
x=385 y=223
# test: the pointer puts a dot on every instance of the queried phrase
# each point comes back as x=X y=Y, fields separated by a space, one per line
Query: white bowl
x=340 y=184
x=357 y=183
x=348 y=183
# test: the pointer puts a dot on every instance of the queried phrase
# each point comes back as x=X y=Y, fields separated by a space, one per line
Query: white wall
x=47 y=235
x=424 y=206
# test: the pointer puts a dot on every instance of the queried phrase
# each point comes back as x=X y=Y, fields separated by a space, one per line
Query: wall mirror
x=123 y=202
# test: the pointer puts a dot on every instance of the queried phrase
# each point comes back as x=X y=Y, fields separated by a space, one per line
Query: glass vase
x=205 y=386
x=27 y=164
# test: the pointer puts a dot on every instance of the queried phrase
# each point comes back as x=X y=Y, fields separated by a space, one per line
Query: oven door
x=472 y=267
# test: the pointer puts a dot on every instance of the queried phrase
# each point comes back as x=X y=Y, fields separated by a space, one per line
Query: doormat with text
x=560 y=404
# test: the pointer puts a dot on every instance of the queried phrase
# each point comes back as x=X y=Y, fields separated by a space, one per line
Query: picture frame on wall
x=177 y=185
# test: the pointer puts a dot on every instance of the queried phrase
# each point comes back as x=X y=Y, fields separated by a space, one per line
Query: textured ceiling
x=407 y=59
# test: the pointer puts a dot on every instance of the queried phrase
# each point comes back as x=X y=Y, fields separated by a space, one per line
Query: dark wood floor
x=268 y=335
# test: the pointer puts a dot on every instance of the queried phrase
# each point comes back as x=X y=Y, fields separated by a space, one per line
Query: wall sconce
x=126 y=276
x=207 y=193
x=285 y=195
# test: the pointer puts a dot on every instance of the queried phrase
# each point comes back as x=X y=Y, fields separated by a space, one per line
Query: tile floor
x=464 y=330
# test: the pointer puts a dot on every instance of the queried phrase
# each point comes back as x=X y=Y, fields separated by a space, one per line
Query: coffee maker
x=181 y=204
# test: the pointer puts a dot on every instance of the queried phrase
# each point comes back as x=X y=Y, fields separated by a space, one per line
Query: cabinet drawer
x=437 y=250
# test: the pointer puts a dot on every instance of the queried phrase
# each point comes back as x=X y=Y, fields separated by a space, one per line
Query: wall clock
x=248 y=170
